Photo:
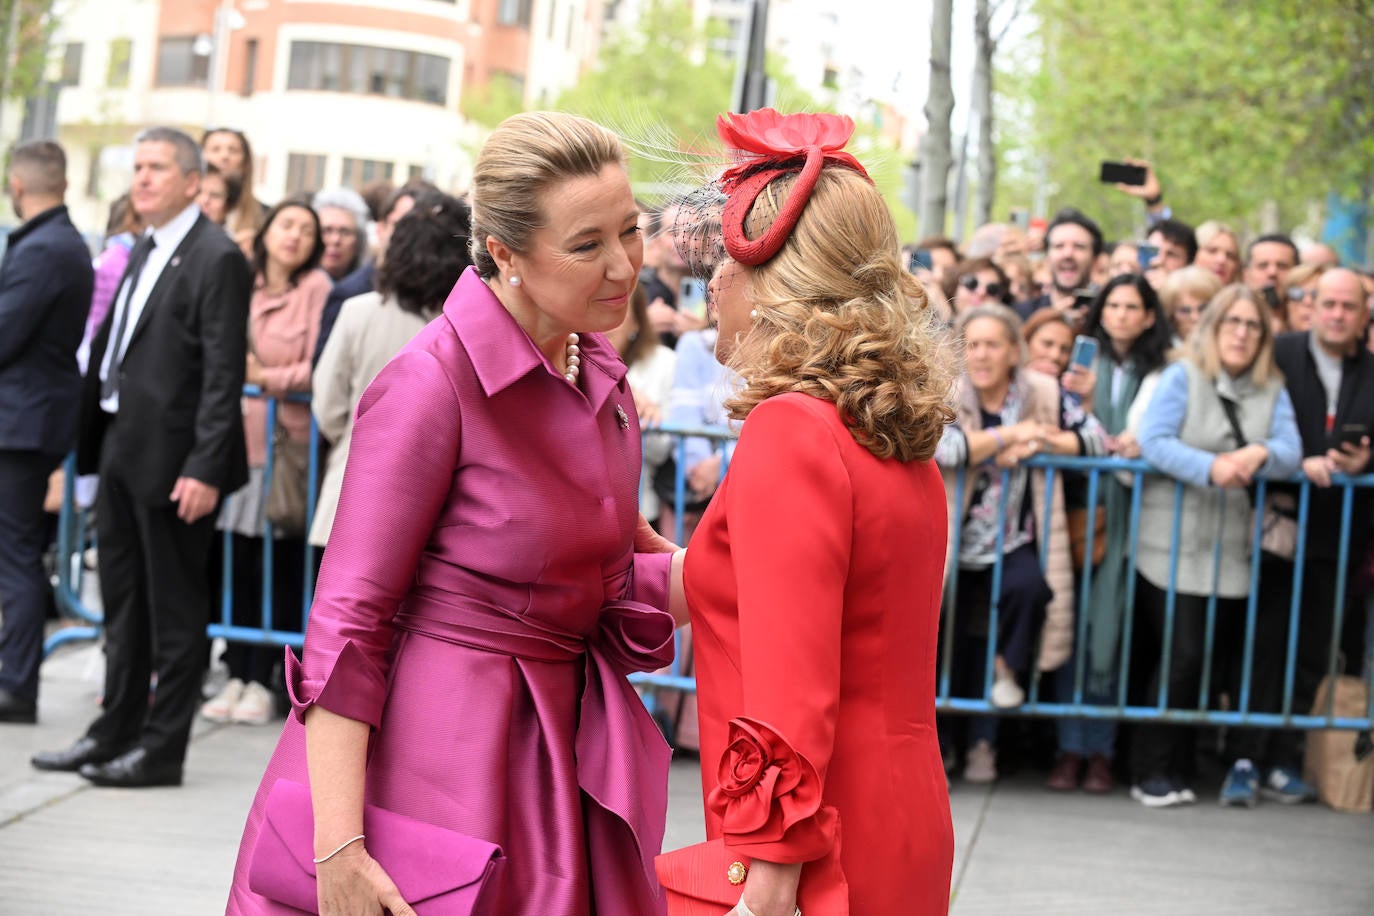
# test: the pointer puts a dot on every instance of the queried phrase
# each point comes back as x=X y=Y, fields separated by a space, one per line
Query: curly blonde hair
x=840 y=318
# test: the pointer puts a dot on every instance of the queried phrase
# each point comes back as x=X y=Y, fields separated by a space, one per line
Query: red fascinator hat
x=768 y=145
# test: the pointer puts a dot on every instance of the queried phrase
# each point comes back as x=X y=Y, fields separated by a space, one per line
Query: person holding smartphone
x=1072 y=245
x=1330 y=378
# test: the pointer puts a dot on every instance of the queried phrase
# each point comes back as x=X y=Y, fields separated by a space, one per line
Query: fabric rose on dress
x=768 y=793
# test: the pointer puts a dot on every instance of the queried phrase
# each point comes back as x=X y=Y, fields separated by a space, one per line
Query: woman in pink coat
x=481 y=600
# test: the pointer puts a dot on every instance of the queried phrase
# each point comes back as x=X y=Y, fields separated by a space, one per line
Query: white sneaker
x=980 y=766
x=1006 y=693
x=220 y=707
x=256 y=707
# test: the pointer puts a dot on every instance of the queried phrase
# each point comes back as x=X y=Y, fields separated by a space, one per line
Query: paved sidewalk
x=70 y=849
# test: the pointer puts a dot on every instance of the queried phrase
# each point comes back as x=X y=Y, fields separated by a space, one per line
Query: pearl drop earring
x=753 y=314
x=514 y=281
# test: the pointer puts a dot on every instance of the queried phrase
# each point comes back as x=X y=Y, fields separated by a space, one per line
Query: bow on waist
x=622 y=759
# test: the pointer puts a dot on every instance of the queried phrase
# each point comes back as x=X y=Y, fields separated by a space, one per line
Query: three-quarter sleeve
x=400 y=468
x=790 y=513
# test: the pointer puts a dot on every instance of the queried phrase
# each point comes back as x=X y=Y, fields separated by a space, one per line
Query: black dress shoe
x=135 y=769
x=85 y=750
x=13 y=709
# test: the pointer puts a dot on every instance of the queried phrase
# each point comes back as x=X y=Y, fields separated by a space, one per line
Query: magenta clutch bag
x=439 y=872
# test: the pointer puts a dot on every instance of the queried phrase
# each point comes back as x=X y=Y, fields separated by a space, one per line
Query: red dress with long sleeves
x=814 y=586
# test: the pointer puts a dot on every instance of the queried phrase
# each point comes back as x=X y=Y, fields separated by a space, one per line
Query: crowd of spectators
x=1218 y=362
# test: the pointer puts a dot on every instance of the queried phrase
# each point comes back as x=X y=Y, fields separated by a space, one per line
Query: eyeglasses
x=1298 y=294
x=342 y=232
x=970 y=283
x=1237 y=323
x=1187 y=311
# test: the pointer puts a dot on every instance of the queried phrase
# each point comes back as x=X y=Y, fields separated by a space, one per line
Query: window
x=304 y=172
x=250 y=66
x=415 y=173
x=71 y=64
x=367 y=70
x=514 y=12
x=178 y=64
x=358 y=172
x=117 y=75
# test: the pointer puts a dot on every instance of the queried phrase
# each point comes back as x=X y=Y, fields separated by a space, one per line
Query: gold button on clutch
x=736 y=873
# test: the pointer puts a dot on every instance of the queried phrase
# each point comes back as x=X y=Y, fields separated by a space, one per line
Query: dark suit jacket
x=1355 y=405
x=45 y=293
x=181 y=380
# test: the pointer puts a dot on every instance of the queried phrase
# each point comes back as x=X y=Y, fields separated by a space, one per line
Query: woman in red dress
x=814 y=578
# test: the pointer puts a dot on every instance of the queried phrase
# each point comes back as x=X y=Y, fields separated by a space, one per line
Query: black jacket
x=45 y=294
x=181 y=379
x=1293 y=354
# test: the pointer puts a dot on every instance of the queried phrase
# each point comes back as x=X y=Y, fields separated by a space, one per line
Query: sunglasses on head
x=970 y=283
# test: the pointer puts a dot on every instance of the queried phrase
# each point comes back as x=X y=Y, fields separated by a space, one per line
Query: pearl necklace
x=574 y=362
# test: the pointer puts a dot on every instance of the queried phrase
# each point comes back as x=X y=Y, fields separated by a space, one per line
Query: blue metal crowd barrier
x=72 y=543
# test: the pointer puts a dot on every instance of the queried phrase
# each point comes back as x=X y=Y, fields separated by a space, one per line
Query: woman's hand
x=770 y=891
x=1251 y=458
x=647 y=540
x=703 y=476
x=1229 y=471
x=1082 y=382
x=650 y=414
x=352 y=883
x=252 y=371
x=1126 y=445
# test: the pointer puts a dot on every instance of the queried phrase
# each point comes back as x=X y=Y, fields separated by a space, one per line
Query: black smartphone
x=1271 y=297
x=920 y=260
x=1352 y=433
x=1122 y=173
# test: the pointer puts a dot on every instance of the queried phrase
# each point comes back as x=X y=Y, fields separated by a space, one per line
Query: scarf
x=1107 y=597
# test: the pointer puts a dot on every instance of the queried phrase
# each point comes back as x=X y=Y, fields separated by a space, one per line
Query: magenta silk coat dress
x=480 y=604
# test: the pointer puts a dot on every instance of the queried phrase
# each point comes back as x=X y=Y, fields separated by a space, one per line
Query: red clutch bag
x=439 y=872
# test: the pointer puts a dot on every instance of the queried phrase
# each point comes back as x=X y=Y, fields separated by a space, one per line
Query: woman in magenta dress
x=481 y=599
x=814 y=578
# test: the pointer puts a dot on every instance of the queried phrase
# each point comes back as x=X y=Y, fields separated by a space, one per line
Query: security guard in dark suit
x=45 y=293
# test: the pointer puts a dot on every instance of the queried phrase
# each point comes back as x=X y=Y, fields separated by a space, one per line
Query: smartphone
x=1352 y=433
x=1122 y=173
x=691 y=297
x=1020 y=218
x=1271 y=297
x=1084 y=351
x=1146 y=255
x=920 y=260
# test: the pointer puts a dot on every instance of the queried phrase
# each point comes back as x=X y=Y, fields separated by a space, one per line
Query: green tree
x=1242 y=106
x=659 y=84
x=25 y=26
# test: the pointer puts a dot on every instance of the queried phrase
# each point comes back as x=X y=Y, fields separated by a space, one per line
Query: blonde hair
x=1203 y=351
x=840 y=318
x=1194 y=281
x=524 y=156
x=1305 y=273
x=1213 y=228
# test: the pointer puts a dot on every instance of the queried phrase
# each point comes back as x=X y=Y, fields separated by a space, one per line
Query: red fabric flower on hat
x=767 y=135
x=770 y=145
